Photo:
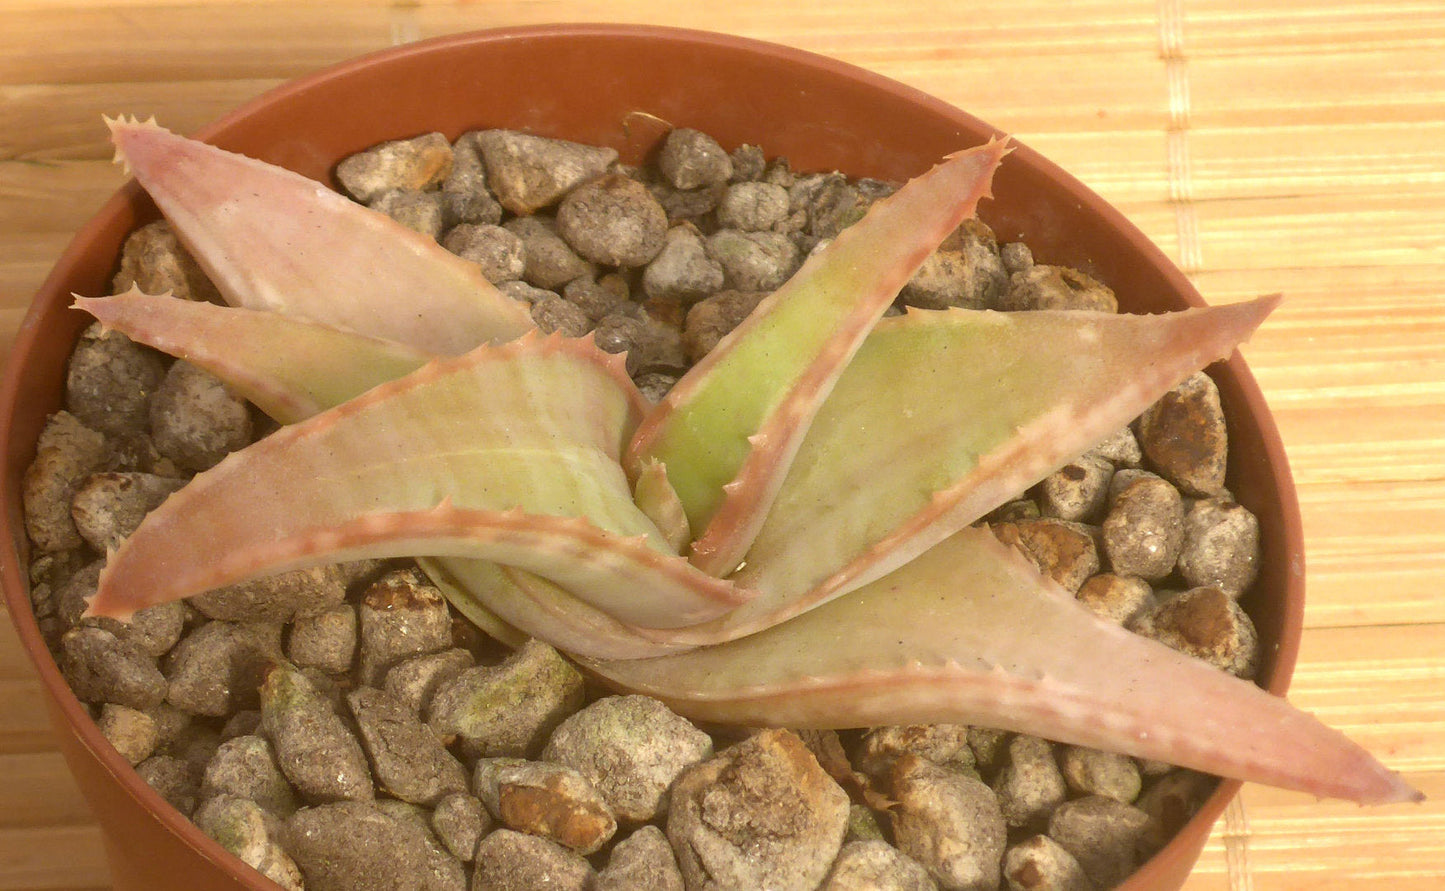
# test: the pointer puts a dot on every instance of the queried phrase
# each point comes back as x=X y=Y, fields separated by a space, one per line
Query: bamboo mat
x=1267 y=145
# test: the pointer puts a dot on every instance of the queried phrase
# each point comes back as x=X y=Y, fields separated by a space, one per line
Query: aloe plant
x=785 y=539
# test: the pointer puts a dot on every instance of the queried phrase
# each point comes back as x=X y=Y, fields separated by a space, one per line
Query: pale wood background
x=1268 y=145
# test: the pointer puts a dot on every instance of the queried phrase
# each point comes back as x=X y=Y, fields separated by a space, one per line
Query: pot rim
x=129 y=197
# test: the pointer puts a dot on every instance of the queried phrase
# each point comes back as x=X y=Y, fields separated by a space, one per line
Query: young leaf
x=943 y=416
x=273 y=239
x=509 y=453
x=289 y=367
x=728 y=430
x=971 y=633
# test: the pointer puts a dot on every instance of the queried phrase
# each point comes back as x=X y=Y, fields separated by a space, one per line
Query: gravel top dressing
x=344 y=728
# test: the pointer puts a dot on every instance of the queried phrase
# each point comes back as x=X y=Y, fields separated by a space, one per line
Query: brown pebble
x=1208 y=624
x=1184 y=437
x=1030 y=785
x=1056 y=287
x=414 y=164
x=1063 y=551
x=1077 y=491
x=401 y=614
x=1117 y=598
x=547 y=800
x=613 y=221
x=712 y=318
x=528 y=173
x=1040 y=864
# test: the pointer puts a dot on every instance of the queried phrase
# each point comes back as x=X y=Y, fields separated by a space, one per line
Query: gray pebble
x=195 y=419
x=407 y=759
x=422 y=162
x=514 y=861
x=1208 y=624
x=276 y=598
x=67 y=454
x=711 y=319
x=1102 y=834
x=597 y=298
x=641 y=862
x=414 y=681
x=1118 y=598
x=400 y=615
x=863 y=825
x=243 y=828
x=1184 y=437
x=1016 y=257
x=550 y=261
x=655 y=384
x=357 y=846
x=508 y=709
x=422 y=212
x=945 y=279
x=876 y=866
x=314 y=748
x=990 y=747
x=749 y=163
x=832 y=202
x=132 y=732
x=1077 y=491
x=690 y=159
x=949 y=822
x=325 y=640
x=245 y=767
x=1056 y=287
x=1144 y=528
x=761 y=814
x=753 y=261
x=631 y=748
x=467 y=197
x=1221 y=546
x=460 y=821
x=217 y=668
x=174 y=779
x=1170 y=802
x=1041 y=864
x=552 y=314
x=111 y=381
x=102 y=667
x=682 y=269
x=500 y=254
x=1030 y=785
x=156 y=262
x=1095 y=772
x=1064 y=551
x=613 y=221
x=753 y=207
x=650 y=344
x=527 y=172
x=1121 y=448
x=153 y=630
x=108 y=507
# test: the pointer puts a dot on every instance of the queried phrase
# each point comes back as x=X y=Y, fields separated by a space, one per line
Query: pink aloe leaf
x=943 y=416
x=971 y=633
x=273 y=239
x=728 y=430
x=294 y=369
x=509 y=453
x=528 y=605
x=289 y=367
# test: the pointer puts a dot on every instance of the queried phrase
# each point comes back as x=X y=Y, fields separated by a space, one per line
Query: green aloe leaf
x=727 y=431
x=289 y=367
x=272 y=239
x=970 y=633
x=509 y=453
x=943 y=416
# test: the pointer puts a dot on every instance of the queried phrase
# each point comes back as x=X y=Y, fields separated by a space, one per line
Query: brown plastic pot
x=619 y=86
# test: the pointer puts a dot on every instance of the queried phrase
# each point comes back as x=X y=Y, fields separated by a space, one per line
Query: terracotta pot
x=619 y=86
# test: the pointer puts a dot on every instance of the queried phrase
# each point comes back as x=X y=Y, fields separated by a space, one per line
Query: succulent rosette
x=789 y=537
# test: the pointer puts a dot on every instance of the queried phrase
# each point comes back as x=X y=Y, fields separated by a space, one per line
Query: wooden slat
x=58 y=858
